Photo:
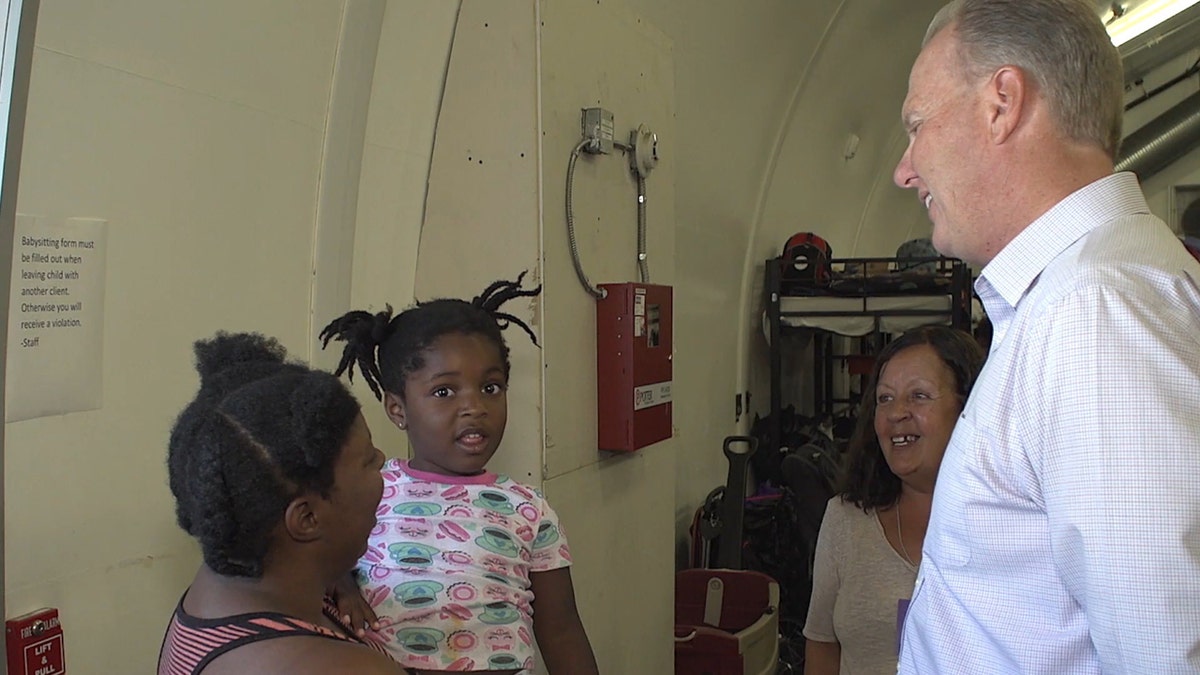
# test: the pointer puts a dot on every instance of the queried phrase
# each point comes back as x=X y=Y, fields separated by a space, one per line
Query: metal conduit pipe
x=1162 y=140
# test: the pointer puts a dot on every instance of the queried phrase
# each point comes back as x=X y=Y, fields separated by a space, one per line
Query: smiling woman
x=869 y=546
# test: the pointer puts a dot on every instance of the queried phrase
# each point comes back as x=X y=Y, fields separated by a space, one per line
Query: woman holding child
x=274 y=473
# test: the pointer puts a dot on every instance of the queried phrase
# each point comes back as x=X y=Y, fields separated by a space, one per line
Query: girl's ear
x=394 y=407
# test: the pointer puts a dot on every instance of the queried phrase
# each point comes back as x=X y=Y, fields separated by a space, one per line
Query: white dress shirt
x=1065 y=533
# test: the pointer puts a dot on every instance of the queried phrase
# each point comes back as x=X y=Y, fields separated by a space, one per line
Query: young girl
x=463 y=562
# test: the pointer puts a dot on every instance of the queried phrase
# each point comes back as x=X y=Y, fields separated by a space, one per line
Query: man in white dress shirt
x=1065 y=534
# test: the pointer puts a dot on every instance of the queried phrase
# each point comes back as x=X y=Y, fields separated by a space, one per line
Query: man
x=1065 y=533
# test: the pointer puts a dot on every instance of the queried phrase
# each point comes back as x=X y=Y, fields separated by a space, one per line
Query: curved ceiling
x=1156 y=46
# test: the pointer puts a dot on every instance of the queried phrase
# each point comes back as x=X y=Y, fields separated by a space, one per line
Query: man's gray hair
x=1061 y=44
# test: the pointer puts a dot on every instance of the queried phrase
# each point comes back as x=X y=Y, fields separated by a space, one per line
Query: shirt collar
x=1017 y=266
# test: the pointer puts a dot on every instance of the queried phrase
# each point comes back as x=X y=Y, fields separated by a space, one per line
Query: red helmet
x=806 y=256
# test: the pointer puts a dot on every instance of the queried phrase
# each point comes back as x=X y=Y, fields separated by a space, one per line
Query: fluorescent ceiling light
x=1144 y=17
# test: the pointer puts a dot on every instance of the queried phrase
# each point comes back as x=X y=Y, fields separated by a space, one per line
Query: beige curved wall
x=267 y=164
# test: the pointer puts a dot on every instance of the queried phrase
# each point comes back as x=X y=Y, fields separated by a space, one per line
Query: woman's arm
x=822 y=658
x=556 y=624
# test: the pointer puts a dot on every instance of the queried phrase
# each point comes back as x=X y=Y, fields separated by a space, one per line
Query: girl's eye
x=493 y=388
x=441 y=392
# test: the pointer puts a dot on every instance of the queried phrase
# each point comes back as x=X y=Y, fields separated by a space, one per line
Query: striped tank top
x=192 y=643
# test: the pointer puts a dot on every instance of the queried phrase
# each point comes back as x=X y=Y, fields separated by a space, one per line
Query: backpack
x=917 y=248
x=780 y=539
x=806 y=258
x=795 y=431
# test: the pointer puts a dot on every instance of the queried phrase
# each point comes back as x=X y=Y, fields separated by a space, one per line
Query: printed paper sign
x=55 y=317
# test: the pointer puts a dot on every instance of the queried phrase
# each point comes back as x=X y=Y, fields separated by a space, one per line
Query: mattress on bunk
x=852 y=282
x=863 y=323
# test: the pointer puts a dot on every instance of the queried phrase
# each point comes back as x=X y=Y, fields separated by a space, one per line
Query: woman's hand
x=352 y=607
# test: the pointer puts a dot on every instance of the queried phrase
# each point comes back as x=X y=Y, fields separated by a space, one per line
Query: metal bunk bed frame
x=777 y=287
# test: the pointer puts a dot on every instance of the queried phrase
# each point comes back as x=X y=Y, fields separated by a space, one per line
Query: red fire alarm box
x=35 y=644
x=633 y=366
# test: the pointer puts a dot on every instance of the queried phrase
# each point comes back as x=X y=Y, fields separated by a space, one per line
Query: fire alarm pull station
x=35 y=644
x=633 y=366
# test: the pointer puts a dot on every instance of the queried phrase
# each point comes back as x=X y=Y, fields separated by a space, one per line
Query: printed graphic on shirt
x=447 y=569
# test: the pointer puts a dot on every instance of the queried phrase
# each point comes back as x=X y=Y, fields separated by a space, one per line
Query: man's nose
x=903 y=175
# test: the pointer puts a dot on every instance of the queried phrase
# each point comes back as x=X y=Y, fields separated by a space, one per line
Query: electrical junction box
x=598 y=129
x=633 y=366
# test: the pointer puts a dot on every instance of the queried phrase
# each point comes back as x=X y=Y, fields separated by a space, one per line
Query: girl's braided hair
x=388 y=348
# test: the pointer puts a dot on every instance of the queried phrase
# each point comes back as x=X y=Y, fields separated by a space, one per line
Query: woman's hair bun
x=225 y=350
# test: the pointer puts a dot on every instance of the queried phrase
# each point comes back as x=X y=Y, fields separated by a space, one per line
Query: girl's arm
x=352 y=607
x=556 y=624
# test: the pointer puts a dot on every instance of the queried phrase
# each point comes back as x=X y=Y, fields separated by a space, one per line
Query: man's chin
x=940 y=244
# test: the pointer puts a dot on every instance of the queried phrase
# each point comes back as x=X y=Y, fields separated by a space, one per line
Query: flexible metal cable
x=596 y=292
x=643 y=267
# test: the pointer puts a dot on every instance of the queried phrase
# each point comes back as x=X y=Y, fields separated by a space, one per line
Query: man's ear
x=1007 y=95
x=301 y=520
x=394 y=407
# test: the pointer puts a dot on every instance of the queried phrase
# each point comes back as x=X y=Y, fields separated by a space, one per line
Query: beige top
x=858 y=581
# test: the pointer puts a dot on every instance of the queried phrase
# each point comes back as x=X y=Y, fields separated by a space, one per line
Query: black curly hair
x=387 y=349
x=261 y=431
x=866 y=480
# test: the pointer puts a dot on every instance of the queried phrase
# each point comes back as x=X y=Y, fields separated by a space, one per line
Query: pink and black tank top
x=192 y=643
